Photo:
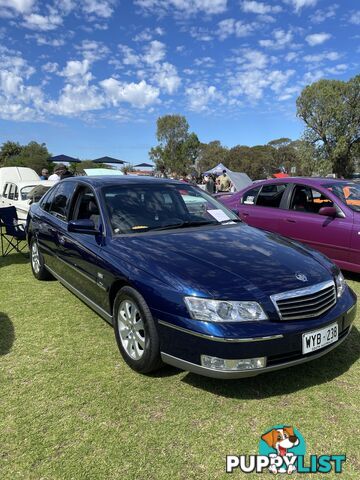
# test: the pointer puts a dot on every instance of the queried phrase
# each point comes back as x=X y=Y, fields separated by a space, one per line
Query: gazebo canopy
x=64 y=158
x=109 y=160
x=144 y=165
x=218 y=169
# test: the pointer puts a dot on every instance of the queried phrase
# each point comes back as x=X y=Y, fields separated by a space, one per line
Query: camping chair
x=11 y=232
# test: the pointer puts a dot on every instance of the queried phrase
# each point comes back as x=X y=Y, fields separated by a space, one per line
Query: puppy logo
x=282 y=444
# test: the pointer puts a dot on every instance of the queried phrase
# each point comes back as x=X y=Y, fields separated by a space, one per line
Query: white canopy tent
x=238 y=179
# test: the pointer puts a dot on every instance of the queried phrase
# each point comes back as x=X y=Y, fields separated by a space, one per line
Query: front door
x=302 y=222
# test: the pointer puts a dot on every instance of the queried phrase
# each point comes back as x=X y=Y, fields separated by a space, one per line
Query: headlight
x=340 y=284
x=224 y=311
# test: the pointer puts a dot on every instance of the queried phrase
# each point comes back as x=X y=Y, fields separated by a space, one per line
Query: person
x=59 y=171
x=44 y=174
x=223 y=183
x=209 y=184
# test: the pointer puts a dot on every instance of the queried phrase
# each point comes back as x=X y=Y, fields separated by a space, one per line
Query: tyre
x=135 y=331
x=37 y=262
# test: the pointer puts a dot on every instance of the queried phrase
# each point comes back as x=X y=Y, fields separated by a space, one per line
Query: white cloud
x=355 y=17
x=317 y=38
x=129 y=56
x=230 y=26
x=77 y=71
x=52 y=42
x=166 y=77
x=76 y=99
x=50 y=67
x=320 y=57
x=154 y=52
x=98 y=8
x=137 y=94
x=300 y=4
x=199 y=96
x=260 y=8
x=92 y=50
x=320 y=16
x=187 y=7
x=281 y=39
x=41 y=22
x=20 y=6
x=338 y=69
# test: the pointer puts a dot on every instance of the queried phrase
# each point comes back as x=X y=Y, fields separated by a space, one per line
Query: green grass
x=71 y=409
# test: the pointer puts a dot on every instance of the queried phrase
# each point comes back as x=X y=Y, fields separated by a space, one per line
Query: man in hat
x=58 y=171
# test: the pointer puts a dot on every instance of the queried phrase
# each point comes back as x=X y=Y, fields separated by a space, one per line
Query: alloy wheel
x=131 y=329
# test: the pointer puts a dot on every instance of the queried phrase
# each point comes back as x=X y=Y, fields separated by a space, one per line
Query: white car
x=17 y=189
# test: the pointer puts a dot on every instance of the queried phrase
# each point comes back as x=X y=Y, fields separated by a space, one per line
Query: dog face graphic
x=281 y=439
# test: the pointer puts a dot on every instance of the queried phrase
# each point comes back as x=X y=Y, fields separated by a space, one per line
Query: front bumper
x=280 y=342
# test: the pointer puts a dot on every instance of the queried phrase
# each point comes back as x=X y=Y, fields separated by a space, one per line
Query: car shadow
x=7 y=334
x=289 y=380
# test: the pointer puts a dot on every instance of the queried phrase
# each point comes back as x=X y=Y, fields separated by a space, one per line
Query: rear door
x=262 y=206
x=79 y=253
x=302 y=221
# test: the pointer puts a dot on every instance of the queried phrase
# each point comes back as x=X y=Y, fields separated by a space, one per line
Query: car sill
x=82 y=297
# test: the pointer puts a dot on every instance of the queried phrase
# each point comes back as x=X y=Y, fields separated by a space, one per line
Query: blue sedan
x=183 y=281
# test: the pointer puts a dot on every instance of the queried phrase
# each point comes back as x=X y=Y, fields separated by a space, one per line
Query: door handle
x=290 y=220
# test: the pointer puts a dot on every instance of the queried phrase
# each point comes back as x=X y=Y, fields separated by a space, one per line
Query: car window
x=271 y=195
x=141 y=208
x=85 y=206
x=46 y=201
x=250 y=197
x=25 y=191
x=348 y=193
x=6 y=190
x=61 y=200
x=307 y=199
x=12 y=191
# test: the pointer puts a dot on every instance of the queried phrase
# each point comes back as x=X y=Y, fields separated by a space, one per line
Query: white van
x=16 y=186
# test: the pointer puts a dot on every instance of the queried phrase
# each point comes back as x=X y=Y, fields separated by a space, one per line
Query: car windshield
x=349 y=193
x=144 y=207
x=33 y=192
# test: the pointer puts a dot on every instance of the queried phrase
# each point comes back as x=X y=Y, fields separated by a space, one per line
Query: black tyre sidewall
x=150 y=360
x=43 y=274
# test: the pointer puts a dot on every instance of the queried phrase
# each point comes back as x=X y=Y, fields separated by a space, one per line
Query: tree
x=33 y=155
x=210 y=155
x=9 y=150
x=331 y=112
x=257 y=162
x=177 y=149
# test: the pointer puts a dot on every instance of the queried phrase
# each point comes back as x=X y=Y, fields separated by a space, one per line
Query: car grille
x=308 y=302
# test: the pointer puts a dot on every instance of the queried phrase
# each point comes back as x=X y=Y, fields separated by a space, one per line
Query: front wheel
x=135 y=331
x=37 y=262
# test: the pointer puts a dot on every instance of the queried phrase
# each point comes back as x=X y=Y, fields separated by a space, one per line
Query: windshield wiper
x=186 y=224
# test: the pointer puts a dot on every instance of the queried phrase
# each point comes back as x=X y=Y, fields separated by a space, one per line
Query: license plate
x=317 y=339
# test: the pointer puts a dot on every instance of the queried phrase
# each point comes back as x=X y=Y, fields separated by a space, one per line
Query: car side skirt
x=83 y=297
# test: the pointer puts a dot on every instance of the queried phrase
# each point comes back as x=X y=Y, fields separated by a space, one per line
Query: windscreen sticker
x=249 y=200
x=219 y=215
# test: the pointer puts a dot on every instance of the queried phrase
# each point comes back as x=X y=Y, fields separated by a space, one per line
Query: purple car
x=322 y=212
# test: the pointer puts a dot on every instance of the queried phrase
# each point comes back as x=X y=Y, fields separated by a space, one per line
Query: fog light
x=223 y=364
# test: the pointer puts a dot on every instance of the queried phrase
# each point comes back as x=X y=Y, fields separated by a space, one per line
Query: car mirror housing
x=82 y=226
x=328 y=211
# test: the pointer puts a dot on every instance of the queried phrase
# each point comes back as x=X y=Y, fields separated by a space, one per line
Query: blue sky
x=90 y=77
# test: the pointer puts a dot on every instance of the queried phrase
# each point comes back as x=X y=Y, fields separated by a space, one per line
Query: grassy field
x=71 y=409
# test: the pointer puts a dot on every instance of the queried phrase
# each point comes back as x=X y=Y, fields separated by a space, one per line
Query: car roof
x=314 y=181
x=29 y=183
x=108 y=180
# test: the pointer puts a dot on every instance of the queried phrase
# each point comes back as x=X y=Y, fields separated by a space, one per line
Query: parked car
x=16 y=174
x=22 y=194
x=201 y=291
x=321 y=212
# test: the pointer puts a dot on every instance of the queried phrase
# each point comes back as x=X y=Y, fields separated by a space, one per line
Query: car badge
x=301 y=276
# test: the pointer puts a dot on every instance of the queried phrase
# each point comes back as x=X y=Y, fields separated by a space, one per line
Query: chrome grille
x=308 y=302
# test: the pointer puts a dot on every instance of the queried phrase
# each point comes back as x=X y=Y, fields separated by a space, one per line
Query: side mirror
x=328 y=211
x=82 y=226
